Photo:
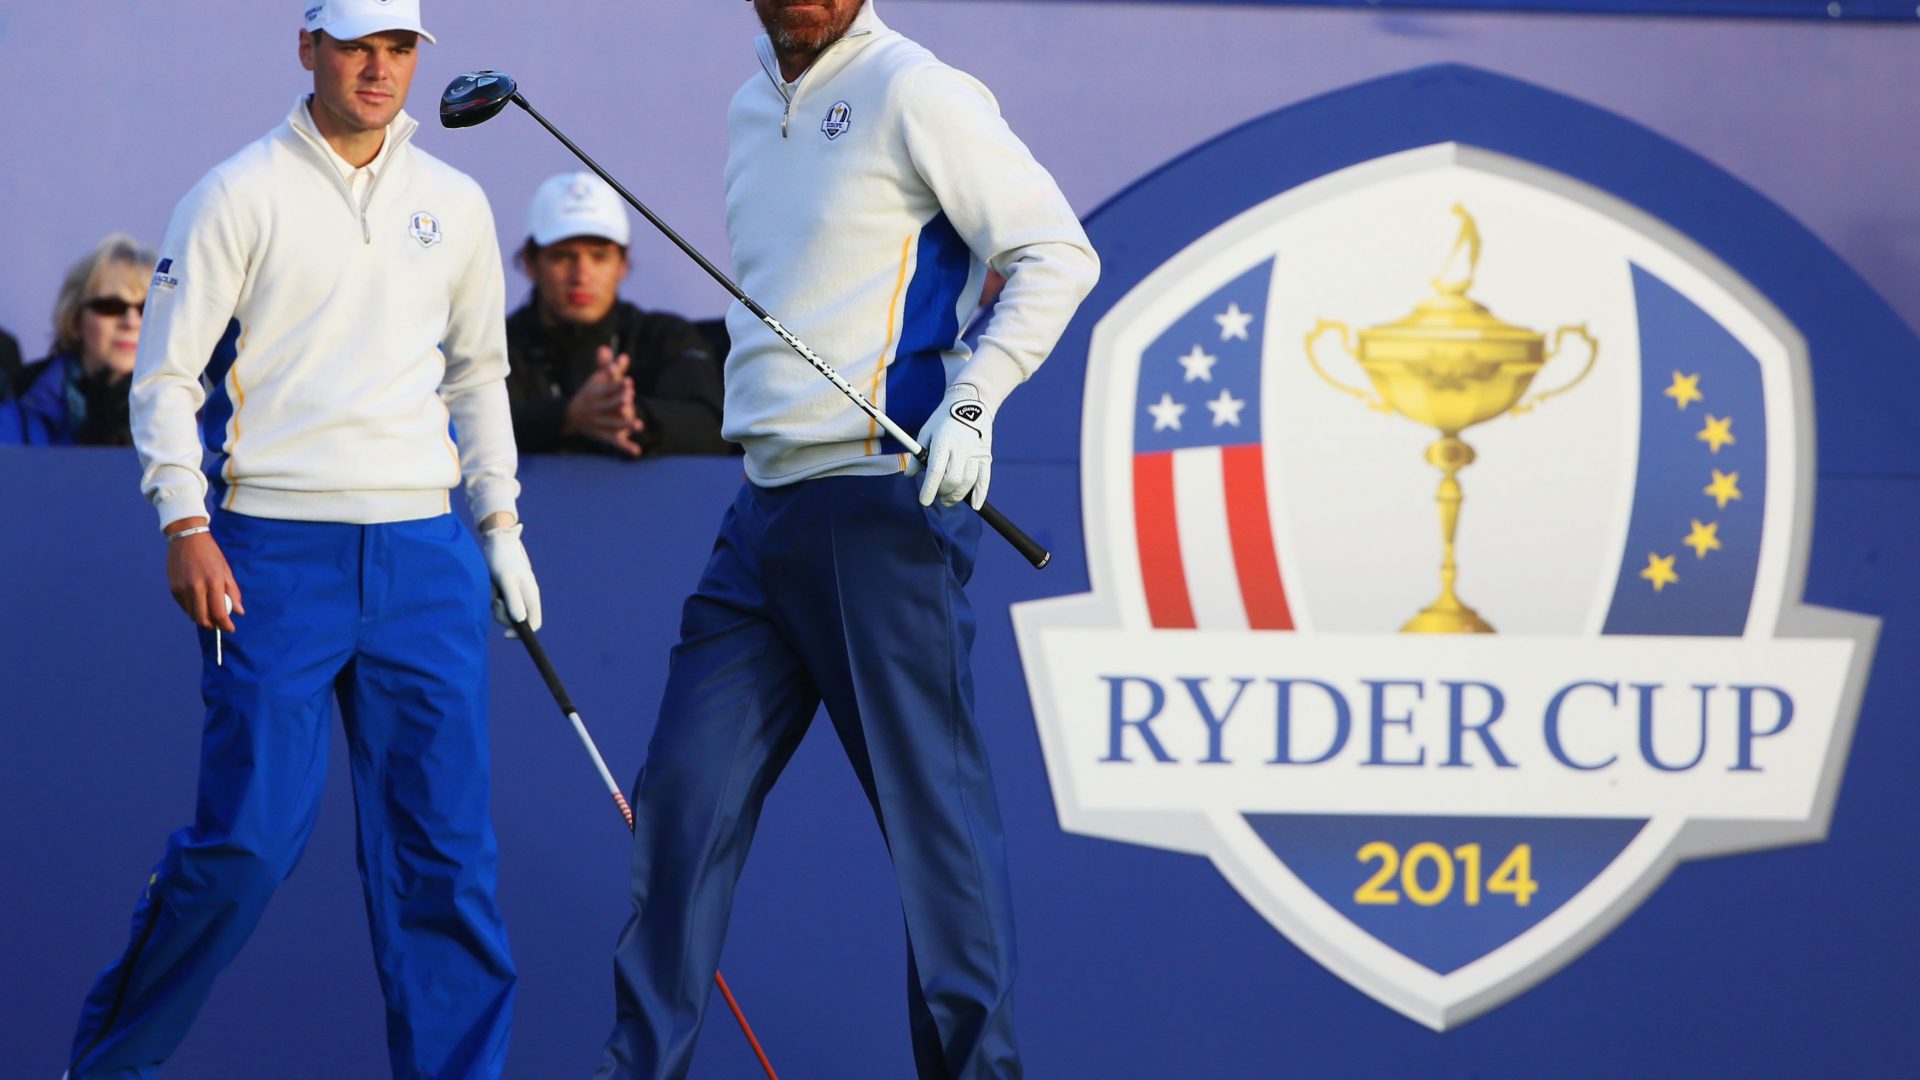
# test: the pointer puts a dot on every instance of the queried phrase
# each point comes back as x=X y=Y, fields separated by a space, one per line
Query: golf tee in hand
x=959 y=444
x=219 y=649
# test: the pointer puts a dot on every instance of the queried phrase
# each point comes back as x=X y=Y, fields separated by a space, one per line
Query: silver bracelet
x=184 y=533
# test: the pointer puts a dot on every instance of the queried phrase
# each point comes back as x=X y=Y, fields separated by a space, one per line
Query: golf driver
x=565 y=701
x=478 y=96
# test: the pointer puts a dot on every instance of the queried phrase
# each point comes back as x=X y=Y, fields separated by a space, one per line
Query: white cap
x=351 y=20
x=577 y=204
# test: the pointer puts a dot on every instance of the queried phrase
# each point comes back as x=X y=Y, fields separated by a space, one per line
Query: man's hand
x=603 y=409
x=959 y=442
x=516 y=595
x=199 y=578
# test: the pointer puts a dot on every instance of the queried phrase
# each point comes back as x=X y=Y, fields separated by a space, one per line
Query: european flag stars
x=1705 y=536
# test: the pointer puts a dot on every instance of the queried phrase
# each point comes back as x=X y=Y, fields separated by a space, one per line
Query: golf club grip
x=539 y=654
x=1026 y=545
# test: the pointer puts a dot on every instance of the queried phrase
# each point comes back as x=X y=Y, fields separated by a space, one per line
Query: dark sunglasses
x=112 y=307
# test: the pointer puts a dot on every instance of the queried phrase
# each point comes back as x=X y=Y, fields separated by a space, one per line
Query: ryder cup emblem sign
x=1447 y=521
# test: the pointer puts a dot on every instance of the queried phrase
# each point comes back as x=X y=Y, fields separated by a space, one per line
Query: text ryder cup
x=1406 y=723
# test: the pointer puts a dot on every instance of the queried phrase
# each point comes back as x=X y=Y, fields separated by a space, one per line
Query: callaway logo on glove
x=959 y=445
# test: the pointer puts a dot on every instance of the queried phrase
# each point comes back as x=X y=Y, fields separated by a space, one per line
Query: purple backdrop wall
x=119 y=110
x=121 y=106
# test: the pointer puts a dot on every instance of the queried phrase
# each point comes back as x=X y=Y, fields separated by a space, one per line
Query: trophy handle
x=1346 y=342
x=1559 y=339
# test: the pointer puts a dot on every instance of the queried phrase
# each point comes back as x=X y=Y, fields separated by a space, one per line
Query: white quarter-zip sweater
x=328 y=324
x=864 y=201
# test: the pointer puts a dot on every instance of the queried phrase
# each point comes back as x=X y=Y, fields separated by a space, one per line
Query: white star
x=1226 y=409
x=1234 y=323
x=1199 y=365
x=1166 y=413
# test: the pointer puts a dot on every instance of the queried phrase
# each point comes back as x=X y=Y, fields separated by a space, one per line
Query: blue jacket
x=59 y=407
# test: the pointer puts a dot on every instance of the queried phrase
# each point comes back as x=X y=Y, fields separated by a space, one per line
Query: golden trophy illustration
x=1449 y=365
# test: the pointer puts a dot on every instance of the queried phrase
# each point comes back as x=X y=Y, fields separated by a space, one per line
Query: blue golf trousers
x=392 y=622
x=846 y=591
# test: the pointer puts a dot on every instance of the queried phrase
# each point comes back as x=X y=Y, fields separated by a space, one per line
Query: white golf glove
x=959 y=442
x=516 y=595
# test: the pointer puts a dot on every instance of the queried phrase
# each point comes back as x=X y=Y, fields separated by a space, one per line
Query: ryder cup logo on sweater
x=425 y=228
x=839 y=120
x=1447 y=523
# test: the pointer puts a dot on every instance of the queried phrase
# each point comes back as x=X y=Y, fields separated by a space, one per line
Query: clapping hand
x=603 y=409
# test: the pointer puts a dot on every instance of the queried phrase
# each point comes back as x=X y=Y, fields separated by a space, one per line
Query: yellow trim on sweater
x=886 y=351
x=239 y=395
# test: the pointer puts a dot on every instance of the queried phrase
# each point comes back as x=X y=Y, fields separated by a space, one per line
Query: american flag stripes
x=1207 y=554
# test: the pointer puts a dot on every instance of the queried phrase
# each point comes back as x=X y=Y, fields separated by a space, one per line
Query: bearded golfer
x=340 y=295
x=869 y=189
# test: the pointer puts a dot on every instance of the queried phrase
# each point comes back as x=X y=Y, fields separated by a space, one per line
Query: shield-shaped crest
x=425 y=228
x=839 y=120
x=1447 y=518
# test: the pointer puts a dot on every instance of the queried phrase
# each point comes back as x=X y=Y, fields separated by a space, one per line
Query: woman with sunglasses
x=78 y=396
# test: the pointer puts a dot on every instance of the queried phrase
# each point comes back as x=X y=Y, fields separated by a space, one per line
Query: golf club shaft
x=565 y=701
x=1026 y=545
x=560 y=697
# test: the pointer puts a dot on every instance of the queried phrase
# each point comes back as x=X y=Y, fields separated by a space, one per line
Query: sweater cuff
x=180 y=507
x=486 y=498
x=993 y=373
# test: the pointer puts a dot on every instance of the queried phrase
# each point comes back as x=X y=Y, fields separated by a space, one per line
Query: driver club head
x=475 y=98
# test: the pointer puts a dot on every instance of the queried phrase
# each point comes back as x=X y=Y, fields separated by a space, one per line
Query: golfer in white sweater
x=330 y=303
x=869 y=189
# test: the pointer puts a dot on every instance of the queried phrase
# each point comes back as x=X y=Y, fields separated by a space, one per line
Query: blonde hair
x=116 y=249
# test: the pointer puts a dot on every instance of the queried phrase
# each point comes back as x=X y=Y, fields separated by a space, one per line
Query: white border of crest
x=1438 y=1001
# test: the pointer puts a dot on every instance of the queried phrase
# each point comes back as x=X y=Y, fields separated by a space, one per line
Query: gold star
x=1703 y=538
x=1659 y=571
x=1685 y=390
x=1724 y=488
x=1717 y=433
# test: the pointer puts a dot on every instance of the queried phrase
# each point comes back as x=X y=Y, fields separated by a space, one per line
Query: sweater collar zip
x=866 y=25
x=399 y=133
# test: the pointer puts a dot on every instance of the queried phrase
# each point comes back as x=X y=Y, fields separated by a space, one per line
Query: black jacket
x=676 y=380
x=10 y=375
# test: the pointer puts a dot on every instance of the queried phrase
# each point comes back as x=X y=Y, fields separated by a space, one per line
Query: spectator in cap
x=78 y=395
x=592 y=372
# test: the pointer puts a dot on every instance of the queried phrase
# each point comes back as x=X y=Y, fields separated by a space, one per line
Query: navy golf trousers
x=846 y=591
x=392 y=620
